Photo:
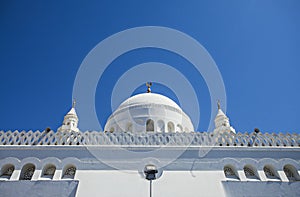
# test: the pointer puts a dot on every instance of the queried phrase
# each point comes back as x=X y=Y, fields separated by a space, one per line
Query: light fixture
x=150 y=172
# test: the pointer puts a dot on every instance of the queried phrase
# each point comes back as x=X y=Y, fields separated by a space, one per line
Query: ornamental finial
x=74 y=103
x=148 y=85
x=219 y=105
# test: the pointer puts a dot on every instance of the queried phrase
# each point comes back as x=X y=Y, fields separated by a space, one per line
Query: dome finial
x=74 y=103
x=148 y=85
x=219 y=104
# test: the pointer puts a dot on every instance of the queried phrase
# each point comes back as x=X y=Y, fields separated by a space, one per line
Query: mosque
x=149 y=148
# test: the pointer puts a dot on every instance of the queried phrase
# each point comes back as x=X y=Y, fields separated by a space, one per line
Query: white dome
x=149 y=112
x=148 y=98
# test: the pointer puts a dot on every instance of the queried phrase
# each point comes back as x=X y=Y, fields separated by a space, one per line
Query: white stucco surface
x=148 y=130
x=132 y=115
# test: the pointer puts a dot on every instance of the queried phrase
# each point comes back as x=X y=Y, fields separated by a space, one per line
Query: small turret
x=222 y=123
x=70 y=122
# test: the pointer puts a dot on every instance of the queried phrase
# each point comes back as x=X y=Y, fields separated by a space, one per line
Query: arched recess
x=270 y=172
x=230 y=172
x=179 y=128
x=171 y=127
x=27 y=171
x=160 y=126
x=150 y=125
x=291 y=173
x=6 y=171
x=48 y=171
x=129 y=127
x=250 y=172
x=112 y=129
x=69 y=172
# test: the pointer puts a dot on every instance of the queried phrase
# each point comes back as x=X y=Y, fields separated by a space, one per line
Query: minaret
x=70 y=122
x=222 y=124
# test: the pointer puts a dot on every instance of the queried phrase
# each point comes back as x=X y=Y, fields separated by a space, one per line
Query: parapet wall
x=151 y=138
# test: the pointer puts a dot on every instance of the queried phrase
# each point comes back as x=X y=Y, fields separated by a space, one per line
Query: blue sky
x=255 y=44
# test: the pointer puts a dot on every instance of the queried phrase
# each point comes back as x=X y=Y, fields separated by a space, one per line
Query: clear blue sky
x=256 y=45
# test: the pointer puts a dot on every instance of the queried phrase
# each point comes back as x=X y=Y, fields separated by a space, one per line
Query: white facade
x=74 y=163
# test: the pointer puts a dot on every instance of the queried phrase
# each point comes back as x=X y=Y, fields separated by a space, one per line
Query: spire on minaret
x=70 y=120
x=148 y=87
x=74 y=103
x=222 y=123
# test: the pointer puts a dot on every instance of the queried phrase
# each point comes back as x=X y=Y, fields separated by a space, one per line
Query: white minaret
x=70 y=122
x=222 y=124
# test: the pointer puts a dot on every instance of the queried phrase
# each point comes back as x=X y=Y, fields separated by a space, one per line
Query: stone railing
x=148 y=139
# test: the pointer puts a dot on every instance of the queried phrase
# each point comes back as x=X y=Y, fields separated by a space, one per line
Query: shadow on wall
x=266 y=188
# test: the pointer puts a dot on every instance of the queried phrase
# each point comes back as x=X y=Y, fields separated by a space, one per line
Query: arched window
x=270 y=172
x=179 y=128
x=171 y=127
x=129 y=127
x=250 y=172
x=48 y=171
x=6 y=171
x=291 y=173
x=69 y=172
x=27 y=172
x=150 y=125
x=230 y=172
x=160 y=126
x=112 y=129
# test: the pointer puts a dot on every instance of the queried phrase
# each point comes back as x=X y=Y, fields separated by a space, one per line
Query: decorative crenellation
x=152 y=138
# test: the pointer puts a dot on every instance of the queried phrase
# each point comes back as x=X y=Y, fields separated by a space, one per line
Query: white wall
x=130 y=183
x=111 y=183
